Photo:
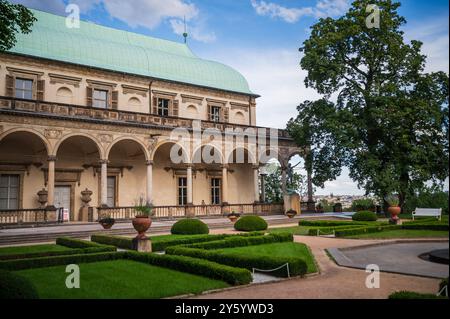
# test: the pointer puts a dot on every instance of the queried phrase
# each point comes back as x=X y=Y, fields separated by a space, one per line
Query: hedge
x=240 y=241
x=413 y=295
x=325 y=223
x=13 y=286
x=364 y=230
x=251 y=223
x=426 y=226
x=210 y=269
x=365 y=215
x=189 y=226
x=76 y=243
x=19 y=264
x=297 y=266
x=117 y=241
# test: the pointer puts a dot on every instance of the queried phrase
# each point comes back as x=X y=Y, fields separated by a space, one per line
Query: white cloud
x=323 y=8
x=194 y=30
x=54 y=6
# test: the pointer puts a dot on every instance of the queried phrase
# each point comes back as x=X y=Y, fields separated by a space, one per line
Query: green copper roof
x=97 y=46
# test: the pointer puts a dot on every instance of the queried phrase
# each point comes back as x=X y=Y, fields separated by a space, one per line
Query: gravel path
x=333 y=282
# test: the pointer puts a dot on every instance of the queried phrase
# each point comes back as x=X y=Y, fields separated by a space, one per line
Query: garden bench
x=428 y=212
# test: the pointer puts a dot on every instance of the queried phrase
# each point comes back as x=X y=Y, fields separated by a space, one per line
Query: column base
x=142 y=245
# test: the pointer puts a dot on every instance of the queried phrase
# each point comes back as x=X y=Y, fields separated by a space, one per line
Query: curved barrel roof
x=107 y=48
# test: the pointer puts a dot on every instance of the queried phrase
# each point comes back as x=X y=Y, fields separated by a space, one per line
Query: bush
x=76 y=243
x=428 y=198
x=232 y=275
x=189 y=226
x=363 y=204
x=250 y=223
x=327 y=223
x=365 y=216
x=117 y=241
x=41 y=262
x=413 y=295
x=240 y=241
x=426 y=226
x=13 y=286
x=364 y=230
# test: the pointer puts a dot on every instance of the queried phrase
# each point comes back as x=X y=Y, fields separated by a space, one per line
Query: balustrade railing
x=26 y=216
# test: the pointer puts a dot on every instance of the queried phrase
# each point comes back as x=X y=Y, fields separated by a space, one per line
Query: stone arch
x=184 y=153
x=31 y=131
x=252 y=158
x=134 y=101
x=192 y=110
x=64 y=95
x=92 y=138
x=239 y=117
x=129 y=138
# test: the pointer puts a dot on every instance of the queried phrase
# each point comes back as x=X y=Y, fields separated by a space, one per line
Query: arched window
x=192 y=111
x=239 y=118
x=64 y=95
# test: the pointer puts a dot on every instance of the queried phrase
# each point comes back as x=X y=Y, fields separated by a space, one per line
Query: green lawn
x=31 y=249
x=404 y=233
x=118 y=279
x=287 y=249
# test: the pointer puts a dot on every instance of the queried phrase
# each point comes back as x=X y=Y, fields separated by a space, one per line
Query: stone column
x=255 y=182
x=104 y=183
x=225 y=184
x=263 y=188
x=189 y=184
x=51 y=182
x=283 y=179
x=149 y=181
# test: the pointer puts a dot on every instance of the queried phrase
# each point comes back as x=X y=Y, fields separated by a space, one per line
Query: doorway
x=62 y=199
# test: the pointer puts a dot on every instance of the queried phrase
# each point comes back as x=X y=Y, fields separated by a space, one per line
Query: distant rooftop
x=112 y=49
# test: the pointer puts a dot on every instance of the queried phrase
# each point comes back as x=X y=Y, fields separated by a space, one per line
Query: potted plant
x=291 y=213
x=142 y=221
x=393 y=209
x=233 y=216
x=107 y=222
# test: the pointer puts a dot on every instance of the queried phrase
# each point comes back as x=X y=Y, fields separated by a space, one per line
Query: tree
x=391 y=119
x=272 y=184
x=12 y=18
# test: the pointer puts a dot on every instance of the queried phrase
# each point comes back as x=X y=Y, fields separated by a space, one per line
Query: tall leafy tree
x=392 y=118
x=13 y=18
x=272 y=184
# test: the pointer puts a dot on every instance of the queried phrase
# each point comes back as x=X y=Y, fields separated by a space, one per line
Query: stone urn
x=141 y=224
x=42 y=197
x=107 y=222
x=291 y=213
x=233 y=217
x=394 y=211
x=86 y=197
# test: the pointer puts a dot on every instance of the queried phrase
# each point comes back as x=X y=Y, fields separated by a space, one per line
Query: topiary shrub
x=250 y=223
x=189 y=227
x=365 y=215
x=13 y=286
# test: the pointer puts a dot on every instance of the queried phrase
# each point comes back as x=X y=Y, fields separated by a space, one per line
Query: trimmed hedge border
x=240 y=241
x=324 y=223
x=126 y=242
x=77 y=247
x=202 y=267
x=365 y=215
x=426 y=226
x=14 y=286
x=364 y=230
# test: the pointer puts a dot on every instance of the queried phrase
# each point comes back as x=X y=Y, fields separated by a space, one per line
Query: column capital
x=51 y=158
x=103 y=161
x=226 y=166
x=149 y=162
x=189 y=165
x=255 y=166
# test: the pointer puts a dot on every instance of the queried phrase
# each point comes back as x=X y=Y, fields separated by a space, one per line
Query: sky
x=260 y=39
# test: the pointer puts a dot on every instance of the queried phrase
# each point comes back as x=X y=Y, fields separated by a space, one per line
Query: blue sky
x=260 y=39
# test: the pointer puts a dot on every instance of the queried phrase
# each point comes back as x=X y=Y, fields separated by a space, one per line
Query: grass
x=444 y=218
x=118 y=279
x=31 y=249
x=158 y=238
x=287 y=249
x=404 y=233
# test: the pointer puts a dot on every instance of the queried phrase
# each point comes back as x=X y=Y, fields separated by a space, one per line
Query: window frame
x=182 y=199
x=161 y=108
x=19 y=190
x=23 y=89
x=106 y=100
x=216 y=191
x=213 y=117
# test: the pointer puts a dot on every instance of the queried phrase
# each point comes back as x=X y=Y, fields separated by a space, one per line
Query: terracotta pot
x=233 y=219
x=141 y=224
x=290 y=215
x=107 y=225
x=394 y=211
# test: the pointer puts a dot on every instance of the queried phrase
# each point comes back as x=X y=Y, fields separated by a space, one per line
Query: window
x=215 y=191
x=215 y=114
x=182 y=191
x=24 y=89
x=9 y=191
x=163 y=107
x=100 y=99
x=111 y=191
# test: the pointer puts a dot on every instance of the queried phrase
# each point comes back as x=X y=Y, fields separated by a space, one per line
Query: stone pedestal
x=83 y=215
x=292 y=201
x=143 y=245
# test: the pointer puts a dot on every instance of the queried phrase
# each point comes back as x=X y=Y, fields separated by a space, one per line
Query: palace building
x=87 y=117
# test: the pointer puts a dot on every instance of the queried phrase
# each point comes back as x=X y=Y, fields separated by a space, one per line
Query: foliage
x=364 y=230
x=272 y=184
x=251 y=223
x=413 y=295
x=76 y=243
x=392 y=200
x=365 y=215
x=117 y=241
x=324 y=206
x=189 y=226
x=107 y=220
x=428 y=197
x=232 y=275
x=13 y=18
x=13 y=286
x=327 y=223
x=143 y=207
x=390 y=119
x=363 y=204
